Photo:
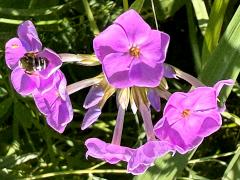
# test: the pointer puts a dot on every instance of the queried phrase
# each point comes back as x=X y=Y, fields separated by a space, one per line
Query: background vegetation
x=205 y=42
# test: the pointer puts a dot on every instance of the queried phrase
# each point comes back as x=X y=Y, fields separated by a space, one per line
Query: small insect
x=32 y=63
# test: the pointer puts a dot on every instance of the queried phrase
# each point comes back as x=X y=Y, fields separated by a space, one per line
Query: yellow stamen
x=186 y=113
x=134 y=51
x=14 y=46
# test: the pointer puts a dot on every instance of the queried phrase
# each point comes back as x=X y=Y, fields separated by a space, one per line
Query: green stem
x=77 y=172
x=125 y=5
x=90 y=17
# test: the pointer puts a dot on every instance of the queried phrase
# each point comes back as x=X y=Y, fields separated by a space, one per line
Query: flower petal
x=155 y=48
x=28 y=35
x=108 y=152
x=111 y=40
x=218 y=86
x=145 y=155
x=116 y=69
x=90 y=117
x=23 y=83
x=145 y=76
x=54 y=62
x=154 y=99
x=94 y=95
x=14 y=50
x=136 y=28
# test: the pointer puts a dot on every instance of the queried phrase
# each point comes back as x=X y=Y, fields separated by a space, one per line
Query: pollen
x=14 y=46
x=134 y=51
x=186 y=113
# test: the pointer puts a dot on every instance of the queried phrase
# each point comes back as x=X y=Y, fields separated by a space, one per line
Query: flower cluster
x=36 y=72
x=132 y=56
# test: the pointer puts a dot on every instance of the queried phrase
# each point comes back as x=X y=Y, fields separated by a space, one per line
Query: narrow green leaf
x=201 y=14
x=137 y=5
x=224 y=62
x=4 y=106
x=167 y=8
x=214 y=27
x=233 y=169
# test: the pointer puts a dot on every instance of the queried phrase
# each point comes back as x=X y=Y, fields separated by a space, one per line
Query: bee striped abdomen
x=32 y=63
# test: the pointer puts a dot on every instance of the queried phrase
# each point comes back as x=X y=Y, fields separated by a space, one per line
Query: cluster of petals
x=41 y=82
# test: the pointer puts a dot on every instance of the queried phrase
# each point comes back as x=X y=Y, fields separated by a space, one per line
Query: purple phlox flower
x=190 y=117
x=55 y=103
x=30 y=63
x=131 y=53
x=154 y=99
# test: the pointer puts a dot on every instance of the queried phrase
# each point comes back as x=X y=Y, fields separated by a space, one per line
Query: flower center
x=186 y=113
x=134 y=51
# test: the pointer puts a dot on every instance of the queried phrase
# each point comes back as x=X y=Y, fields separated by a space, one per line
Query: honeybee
x=30 y=62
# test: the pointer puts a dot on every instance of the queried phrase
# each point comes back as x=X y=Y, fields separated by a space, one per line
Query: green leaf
x=4 y=106
x=224 y=62
x=166 y=167
x=22 y=114
x=137 y=5
x=167 y=8
x=233 y=169
x=201 y=14
x=214 y=28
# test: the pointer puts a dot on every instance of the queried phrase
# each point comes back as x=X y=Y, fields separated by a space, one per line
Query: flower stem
x=125 y=5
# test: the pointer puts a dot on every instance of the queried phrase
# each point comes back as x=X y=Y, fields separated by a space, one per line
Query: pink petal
x=108 y=152
x=218 y=86
x=23 y=83
x=54 y=62
x=145 y=76
x=137 y=30
x=154 y=99
x=155 y=48
x=90 y=117
x=144 y=156
x=14 y=50
x=111 y=40
x=94 y=96
x=28 y=35
x=116 y=69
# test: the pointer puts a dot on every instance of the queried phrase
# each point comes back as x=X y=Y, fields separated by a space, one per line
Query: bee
x=30 y=62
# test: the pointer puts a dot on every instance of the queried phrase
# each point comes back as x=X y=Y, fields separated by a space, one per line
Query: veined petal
x=90 y=117
x=108 y=152
x=111 y=40
x=23 y=83
x=94 y=96
x=14 y=50
x=144 y=156
x=28 y=35
x=54 y=62
x=140 y=74
x=137 y=30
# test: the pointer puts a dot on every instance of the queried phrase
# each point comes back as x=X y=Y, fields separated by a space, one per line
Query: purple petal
x=14 y=50
x=120 y=80
x=156 y=48
x=23 y=83
x=54 y=62
x=46 y=84
x=61 y=114
x=219 y=85
x=111 y=40
x=90 y=117
x=145 y=155
x=154 y=99
x=28 y=35
x=136 y=28
x=169 y=72
x=144 y=76
x=108 y=152
x=94 y=96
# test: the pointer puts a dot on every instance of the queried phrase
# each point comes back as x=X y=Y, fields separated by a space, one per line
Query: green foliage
x=32 y=150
